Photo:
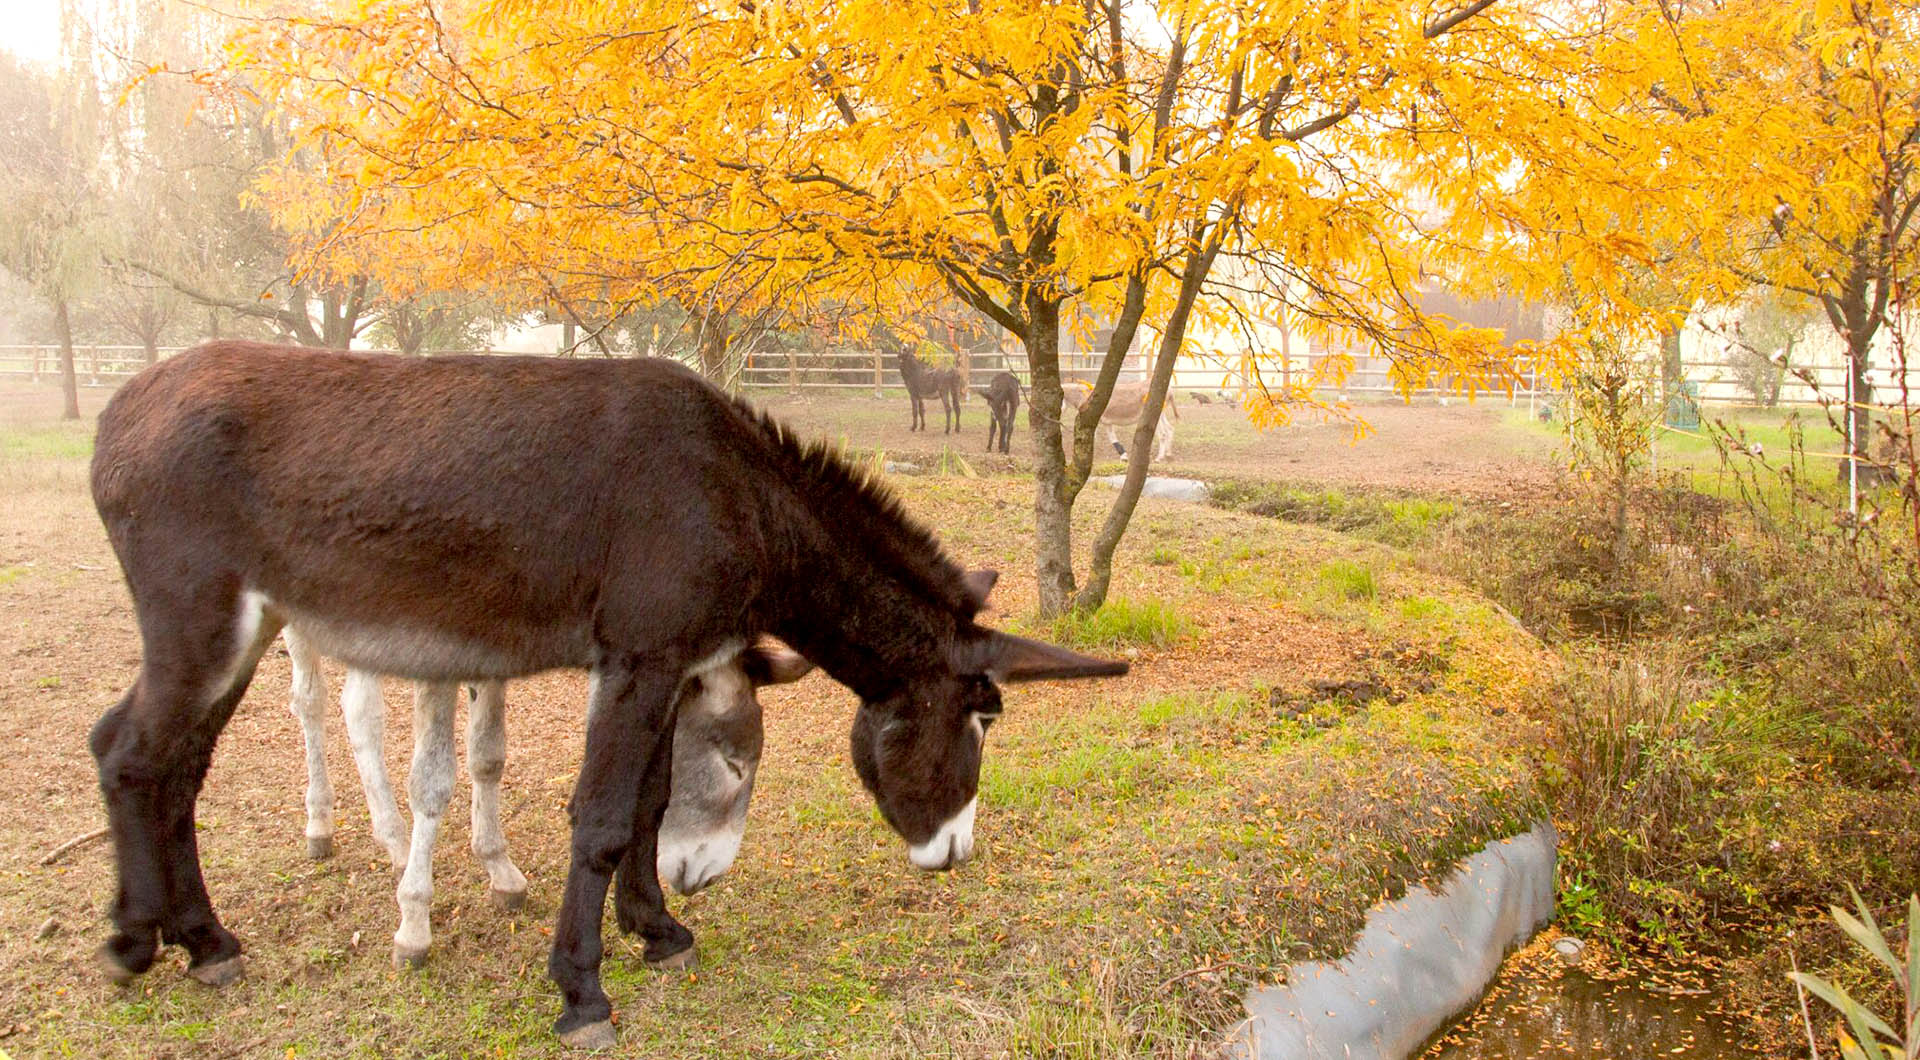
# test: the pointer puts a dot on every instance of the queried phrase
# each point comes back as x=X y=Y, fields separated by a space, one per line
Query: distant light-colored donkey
x=1123 y=410
x=716 y=754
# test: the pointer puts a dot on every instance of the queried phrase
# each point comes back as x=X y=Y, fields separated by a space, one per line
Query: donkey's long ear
x=773 y=663
x=1009 y=659
x=979 y=584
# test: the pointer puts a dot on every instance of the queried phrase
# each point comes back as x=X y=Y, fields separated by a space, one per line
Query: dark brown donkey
x=465 y=518
x=924 y=382
x=1003 y=399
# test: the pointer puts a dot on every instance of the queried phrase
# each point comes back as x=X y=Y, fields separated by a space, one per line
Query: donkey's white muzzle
x=689 y=862
x=950 y=846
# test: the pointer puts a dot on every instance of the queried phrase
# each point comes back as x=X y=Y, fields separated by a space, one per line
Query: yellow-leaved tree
x=1140 y=165
x=1788 y=140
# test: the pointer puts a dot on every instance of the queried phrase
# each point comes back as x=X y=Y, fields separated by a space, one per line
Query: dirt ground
x=1480 y=449
x=822 y=941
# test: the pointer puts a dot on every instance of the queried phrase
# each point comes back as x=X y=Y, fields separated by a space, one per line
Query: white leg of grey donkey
x=309 y=704
x=366 y=715
x=365 y=710
x=430 y=783
x=486 y=760
x=429 y=787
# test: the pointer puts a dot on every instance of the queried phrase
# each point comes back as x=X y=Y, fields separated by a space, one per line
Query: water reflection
x=1539 y=1010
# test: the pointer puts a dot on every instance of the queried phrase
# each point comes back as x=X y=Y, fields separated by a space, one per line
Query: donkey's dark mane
x=869 y=512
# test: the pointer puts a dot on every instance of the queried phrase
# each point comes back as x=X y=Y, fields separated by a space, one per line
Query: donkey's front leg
x=639 y=905
x=486 y=760
x=629 y=719
x=309 y=704
x=429 y=786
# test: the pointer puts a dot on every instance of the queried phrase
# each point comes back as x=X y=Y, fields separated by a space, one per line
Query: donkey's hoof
x=684 y=961
x=407 y=959
x=319 y=847
x=594 y=1036
x=118 y=974
x=219 y=973
x=508 y=901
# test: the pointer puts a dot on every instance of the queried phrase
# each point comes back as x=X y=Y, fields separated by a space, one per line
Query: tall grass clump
x=1120 y=622
x=1345 y=579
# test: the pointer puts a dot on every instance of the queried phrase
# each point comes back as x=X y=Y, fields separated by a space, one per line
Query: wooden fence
x=867 y=371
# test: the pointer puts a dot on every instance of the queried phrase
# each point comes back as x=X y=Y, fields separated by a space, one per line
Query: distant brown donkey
x=923 y=382
x=483 y=518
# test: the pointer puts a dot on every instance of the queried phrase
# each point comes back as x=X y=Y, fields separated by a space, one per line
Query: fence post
x=879 y=366
x=793 y=368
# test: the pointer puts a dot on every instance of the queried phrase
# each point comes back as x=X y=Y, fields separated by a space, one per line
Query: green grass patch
x=66 y=441
x=1347 y=580
x=1121 y=622
x=1399 y=521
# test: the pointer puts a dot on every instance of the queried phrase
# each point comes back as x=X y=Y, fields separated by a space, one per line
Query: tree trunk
x=1778 y=380
x=1673 y=371
x=713 y=350
x=1172 y=336
x=1286 y=354
x=69 y=384
x=1052 y=511
x=1622 y=550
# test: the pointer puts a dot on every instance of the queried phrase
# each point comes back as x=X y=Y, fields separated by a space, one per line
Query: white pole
x=1853 y=465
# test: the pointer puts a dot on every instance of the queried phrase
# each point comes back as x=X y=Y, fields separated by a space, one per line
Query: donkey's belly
x=426 y=654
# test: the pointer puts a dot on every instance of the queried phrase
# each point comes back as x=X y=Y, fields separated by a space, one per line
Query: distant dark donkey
x=474 y=518
x=924 y=382
x=1003 y=399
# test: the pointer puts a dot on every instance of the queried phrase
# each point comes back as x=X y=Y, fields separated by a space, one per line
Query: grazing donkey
x=1003 y=398
x=511 y=515
x=1124 y=407
x=716 y=752
x=924 y=382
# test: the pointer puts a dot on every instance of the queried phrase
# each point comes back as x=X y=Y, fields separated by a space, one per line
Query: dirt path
x=1482 y=450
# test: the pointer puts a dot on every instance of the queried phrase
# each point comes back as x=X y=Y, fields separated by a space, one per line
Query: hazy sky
x=30 y=28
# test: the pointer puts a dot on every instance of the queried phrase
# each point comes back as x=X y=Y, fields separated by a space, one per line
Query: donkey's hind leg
x=309 y=704
x=429 y=787
x=153 y=750
x=486 y=761
x=366 y=712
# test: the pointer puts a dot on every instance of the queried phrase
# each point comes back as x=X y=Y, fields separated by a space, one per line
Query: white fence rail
x=856 y=371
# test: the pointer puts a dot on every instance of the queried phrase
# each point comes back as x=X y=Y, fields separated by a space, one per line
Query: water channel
x=1540 y=1009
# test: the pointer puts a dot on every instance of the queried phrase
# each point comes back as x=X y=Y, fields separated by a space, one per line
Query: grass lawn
x=1148 y=847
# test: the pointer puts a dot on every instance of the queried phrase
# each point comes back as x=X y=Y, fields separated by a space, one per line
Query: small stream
x=1539 y=1009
